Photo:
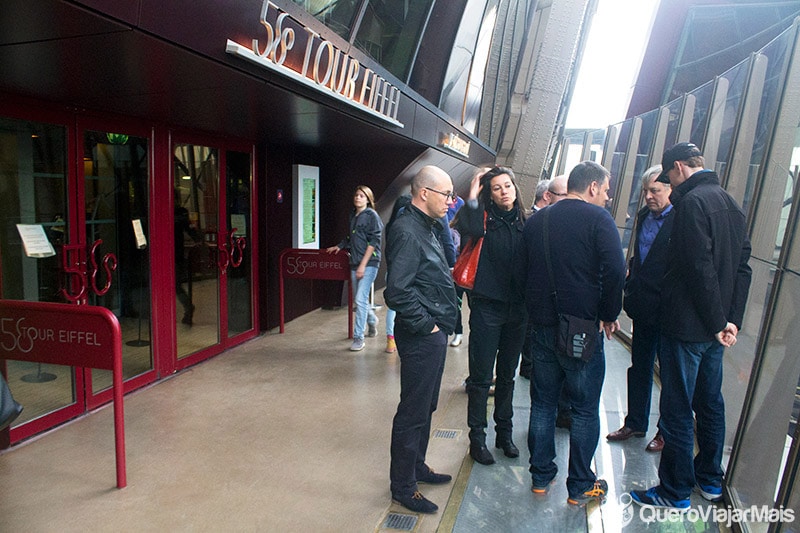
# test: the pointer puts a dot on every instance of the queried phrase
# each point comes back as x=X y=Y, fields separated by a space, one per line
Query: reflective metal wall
x=747 y=122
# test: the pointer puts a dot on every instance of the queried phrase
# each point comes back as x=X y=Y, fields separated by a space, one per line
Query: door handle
x=79 y=277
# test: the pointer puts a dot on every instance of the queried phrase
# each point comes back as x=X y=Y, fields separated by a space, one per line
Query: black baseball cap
x=679 y=152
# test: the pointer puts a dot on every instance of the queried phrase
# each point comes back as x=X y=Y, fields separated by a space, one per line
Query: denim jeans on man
x=421 y=367
x=583 y=382
x=361 y=289
x=691 y=382
x=640 y=374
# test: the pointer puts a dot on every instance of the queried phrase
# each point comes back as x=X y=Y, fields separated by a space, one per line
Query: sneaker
x=650 y=498
x=456 y=340
x=417 y=503
x=372 y=330
x=597 y=492
x=357 y=346
x=542 y=490
x=391 y=346
x=711 y=493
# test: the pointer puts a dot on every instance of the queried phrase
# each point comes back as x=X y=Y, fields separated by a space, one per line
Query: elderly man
x=420 y=289
x=641 y=301
x=542 y=195
x=591 y=272
x=702 y=300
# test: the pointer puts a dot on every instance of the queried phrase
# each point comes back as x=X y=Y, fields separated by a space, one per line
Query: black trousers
x=421 y=367
x=497 y=333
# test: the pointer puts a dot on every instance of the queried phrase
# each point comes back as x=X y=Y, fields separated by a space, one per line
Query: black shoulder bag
x=575 y=337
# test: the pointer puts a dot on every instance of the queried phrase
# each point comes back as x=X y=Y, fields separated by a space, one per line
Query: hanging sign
x=298 y=52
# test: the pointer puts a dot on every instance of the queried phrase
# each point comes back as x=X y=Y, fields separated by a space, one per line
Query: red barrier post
x=73 y=335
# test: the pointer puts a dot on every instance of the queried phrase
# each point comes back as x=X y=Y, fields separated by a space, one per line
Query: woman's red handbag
x=467 y=264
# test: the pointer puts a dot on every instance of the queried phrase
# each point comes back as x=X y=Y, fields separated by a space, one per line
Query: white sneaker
x=357 y=346
x=456 y=340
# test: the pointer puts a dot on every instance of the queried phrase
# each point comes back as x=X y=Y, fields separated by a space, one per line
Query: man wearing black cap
x=702 y=306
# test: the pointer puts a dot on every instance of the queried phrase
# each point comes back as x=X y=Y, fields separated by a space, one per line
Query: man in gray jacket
x=420 y=289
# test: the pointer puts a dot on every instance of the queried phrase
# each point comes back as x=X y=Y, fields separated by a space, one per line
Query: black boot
x=479 y=452
x=507 y=445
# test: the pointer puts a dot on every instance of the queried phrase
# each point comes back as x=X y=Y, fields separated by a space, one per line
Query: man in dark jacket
x=642 y=297
x=702 y=300
x=588 y=272
x=420 y=289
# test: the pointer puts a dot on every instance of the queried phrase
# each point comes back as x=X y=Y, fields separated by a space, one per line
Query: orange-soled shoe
x=657 y=444
x=597 y=493
x=624 y=433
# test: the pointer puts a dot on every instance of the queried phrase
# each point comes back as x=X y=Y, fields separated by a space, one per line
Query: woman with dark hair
x=364 y=243
x=494 y=210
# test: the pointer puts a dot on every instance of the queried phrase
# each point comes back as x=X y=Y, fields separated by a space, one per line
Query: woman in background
x=364 y=244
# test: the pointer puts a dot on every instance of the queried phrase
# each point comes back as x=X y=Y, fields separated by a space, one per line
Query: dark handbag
x=467 y=264
x=9 y=409
x=575 y=337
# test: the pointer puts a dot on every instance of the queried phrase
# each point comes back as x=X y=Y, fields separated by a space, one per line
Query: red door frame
x=34 y=111
x=173 y=364
x=163 y=339
x=131 y=127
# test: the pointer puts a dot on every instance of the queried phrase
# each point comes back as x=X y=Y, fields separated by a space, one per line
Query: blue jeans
x=640 y=375
x=361 y=288
x=421 y=366
x=390 y=315
x=583 y=382
x=691 y=381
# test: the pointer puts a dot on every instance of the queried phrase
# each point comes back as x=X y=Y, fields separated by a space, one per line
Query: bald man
x=419 y=287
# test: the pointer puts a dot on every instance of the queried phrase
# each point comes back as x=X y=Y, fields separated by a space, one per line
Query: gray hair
x=541 y=188
x=648 y=174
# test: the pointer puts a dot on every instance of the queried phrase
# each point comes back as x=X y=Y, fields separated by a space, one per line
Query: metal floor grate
x=449 y=434
x=402 y=522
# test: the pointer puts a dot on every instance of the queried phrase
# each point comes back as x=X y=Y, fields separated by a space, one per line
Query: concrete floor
x=291 y=433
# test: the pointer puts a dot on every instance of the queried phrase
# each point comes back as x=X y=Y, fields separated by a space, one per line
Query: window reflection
x=389 y=33
x=33 y=176
x=32 y=191
x=737 y=76
x=702 y=107
x=773 y=413
x=338 y=15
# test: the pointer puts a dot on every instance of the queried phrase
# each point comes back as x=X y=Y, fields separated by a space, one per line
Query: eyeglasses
x=449 y=196
x=558 y=193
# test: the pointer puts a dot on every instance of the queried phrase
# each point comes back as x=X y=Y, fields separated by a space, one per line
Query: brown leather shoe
x=657 y=444
x=624 y=433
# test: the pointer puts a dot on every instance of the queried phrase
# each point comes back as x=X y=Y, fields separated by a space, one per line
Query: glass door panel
x=196 y=218
x=115 y=181
x=33 y=190
x=238 y=167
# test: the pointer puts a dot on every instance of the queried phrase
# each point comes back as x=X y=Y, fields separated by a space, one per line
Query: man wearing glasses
x=419 y=287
